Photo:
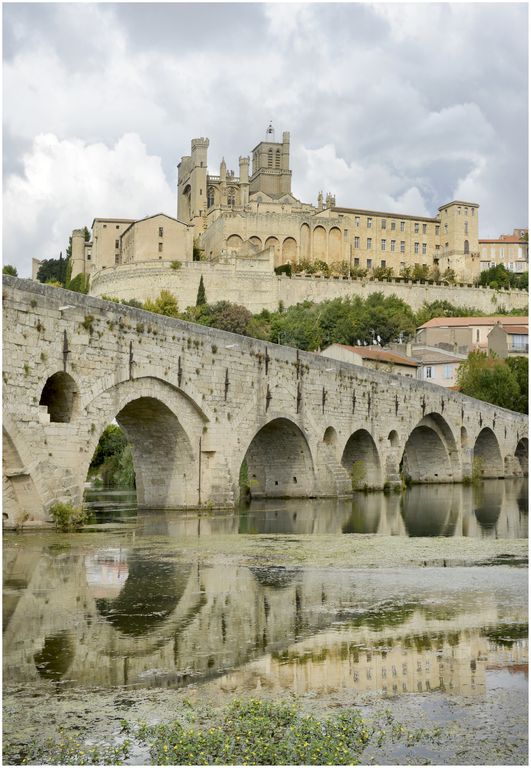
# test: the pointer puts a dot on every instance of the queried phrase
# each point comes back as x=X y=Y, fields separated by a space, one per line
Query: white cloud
x=65 y=184
x=398 y=106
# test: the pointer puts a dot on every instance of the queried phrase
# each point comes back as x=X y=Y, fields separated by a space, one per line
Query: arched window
x=277 y=159
x=59 y=395
x=210 y=197
x=231 y=196
x=270 y=158
x=467 y=247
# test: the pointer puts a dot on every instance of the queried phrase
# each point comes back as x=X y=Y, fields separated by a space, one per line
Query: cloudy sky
x=397 y=107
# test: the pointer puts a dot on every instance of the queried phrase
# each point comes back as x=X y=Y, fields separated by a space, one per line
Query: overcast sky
x=396 y=107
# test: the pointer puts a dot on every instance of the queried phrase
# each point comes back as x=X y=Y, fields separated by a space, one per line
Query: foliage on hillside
x=499 y=277
x=496 y=381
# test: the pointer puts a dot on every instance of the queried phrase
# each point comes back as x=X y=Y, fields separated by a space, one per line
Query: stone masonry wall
x=222 y=390
x=257 y=289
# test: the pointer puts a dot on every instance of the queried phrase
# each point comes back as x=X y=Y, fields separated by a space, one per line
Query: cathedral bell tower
x=270 y=171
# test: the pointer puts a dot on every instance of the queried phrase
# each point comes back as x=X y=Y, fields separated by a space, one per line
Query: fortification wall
x=247 y=282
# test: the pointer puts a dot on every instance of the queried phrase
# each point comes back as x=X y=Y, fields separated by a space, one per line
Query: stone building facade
x=256 y=212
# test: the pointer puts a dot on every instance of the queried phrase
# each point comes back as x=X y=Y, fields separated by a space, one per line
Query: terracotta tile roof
x=379 y=354
x=519 y=329
x=504 y=239
x=463 y=322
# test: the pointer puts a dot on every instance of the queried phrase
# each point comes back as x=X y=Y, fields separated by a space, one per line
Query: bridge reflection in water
x=496 y=508
x=134 y=613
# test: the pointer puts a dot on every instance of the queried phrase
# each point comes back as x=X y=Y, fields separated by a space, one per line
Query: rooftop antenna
x=270 y=133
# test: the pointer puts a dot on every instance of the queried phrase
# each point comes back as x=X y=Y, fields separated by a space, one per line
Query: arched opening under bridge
x=278 y=462
x=361 y=461
x=430 y=454
x=60 y=396
x=522 y=454
x=487 y=456
x=162 y=458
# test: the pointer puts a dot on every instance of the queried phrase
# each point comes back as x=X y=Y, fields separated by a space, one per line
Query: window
x=402 y=226
x=270 y=158
x=369 y=223
x=447 y=371
x=466 y=227
x=423 y=249
x=277 y=159
x=446 y=229
x=428 y=372
x=88 y=256
x=160 y=247
x=416 y=247
x=210 y=197
x=105 y=226
x=161 y=231
x=382 y=245
x=437 y=247
x=384 y=223
x=466 y=211
x=424 y=229
x=402 y=246
x=477 y=335
x=393 y=243
x=446 y=246
x=116 y=258
x=393 y=225
x=356 y=242
x=357 y=220
x=116 y=244
x=416 y=226
x=231 y=196
x=356 y=262
x=369 y=243
x=466 y=247
x=459 y=210
x=437 y=229
x=369 y=263
x=471 y=211
x=383 y=263
x=117 y=226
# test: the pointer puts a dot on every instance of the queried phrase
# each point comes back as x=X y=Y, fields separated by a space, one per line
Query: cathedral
x=255 y=215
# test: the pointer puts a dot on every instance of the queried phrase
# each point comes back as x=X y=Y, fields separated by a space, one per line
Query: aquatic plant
x=68 y=517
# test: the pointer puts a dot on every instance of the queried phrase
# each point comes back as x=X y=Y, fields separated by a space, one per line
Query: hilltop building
x=254 y=220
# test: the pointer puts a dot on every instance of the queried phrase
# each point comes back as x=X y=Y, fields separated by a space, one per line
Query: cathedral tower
x=271 y=173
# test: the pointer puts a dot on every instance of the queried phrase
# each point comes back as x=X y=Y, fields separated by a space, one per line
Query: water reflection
x=137 y=615
x=497 y=508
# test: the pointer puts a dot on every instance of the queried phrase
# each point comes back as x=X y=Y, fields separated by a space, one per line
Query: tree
x=52 y=269
x=520 y=368
x=9 y=270
x=80 y=283
x=489 y=379
x=165 y=304
x=201 y=294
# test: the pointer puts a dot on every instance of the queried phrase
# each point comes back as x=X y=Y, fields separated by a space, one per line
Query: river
x=416 y=602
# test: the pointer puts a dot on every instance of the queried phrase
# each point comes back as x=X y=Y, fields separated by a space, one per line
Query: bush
x=176 y=264
x=283 y=269
x=68 y=518
x=9 y=270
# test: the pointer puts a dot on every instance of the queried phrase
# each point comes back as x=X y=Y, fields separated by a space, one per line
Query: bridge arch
x=60 y=395
x=430 y=454
x=522 y=454
x=163 y=428
x=361 y=460
x=279 y=461
x=487 y=454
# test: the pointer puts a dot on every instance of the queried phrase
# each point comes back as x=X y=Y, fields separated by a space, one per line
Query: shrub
x=283 y=269
x=68 y=518
x=176 y=264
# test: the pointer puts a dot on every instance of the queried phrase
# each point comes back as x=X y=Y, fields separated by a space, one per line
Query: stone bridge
x=196 y=402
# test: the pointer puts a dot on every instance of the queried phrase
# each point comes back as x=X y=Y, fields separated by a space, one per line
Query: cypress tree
x=201 y=294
